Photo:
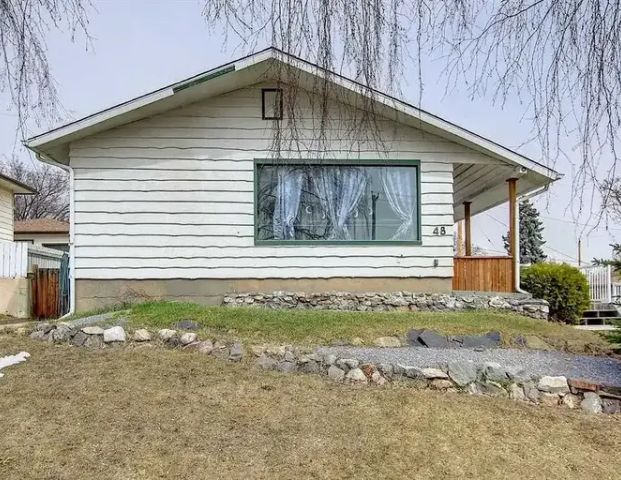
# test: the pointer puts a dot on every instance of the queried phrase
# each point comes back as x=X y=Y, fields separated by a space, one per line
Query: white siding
x=172 y=197
x=6 y=215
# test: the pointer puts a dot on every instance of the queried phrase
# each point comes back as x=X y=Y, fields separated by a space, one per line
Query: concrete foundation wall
x=93 y=294
x=15 y=297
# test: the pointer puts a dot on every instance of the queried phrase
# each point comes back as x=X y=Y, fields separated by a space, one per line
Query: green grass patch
x=315 y=327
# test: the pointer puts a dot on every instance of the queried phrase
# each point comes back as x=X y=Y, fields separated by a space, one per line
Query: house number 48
x=439 y=231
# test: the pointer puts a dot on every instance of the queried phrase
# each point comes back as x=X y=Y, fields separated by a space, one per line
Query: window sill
x=260 y=243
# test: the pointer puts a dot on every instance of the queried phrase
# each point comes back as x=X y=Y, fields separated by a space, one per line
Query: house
x=45 y=232
x=200 y=189
x=9 y=187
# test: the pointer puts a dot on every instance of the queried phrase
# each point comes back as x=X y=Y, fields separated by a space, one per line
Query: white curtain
x=340 y=190
x=288 y=193
x=400 y=189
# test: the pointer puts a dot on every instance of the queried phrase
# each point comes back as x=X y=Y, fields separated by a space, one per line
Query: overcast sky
x=141 y=45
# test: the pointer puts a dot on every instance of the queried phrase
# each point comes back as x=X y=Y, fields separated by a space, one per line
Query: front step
x=604 y=315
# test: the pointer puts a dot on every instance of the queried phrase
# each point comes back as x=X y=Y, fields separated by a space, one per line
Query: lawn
x=158 y=413
x=314 y=327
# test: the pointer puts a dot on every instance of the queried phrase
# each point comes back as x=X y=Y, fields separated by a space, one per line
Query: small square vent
x=272 y=103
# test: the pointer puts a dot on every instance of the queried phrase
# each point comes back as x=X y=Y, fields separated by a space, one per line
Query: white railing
x=600 y=283
x=616 y=292
x=43 y=257
x=13 y=259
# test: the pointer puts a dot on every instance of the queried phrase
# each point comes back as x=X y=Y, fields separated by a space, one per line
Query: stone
x=441 y=384
x=433 y=373
x=517 y=374
x=549 y=399
x=205 y=347
x=329 y=359
x=377 y=378
x=38 y=335
x=187 y=338
x=166 y=334
x=187 y=325
x=141 y=335
x=489 y=340
x=611 y=405
x=44 y=327
x=491 y=388
x=94 y=341
x=310 y=367
x=531 y=392
x=114 y=334
x=553 y=384
x=535 y=343
x=267 y=363
x=347 y=363
x=433 y=340
x=516 y=392
x=62 y=333
x=335 y=373
x=286 y=367
x=257 y=350
x=289 y=357
x=579 y=384
x=462 y=373
x=276 y=350
x=93 y=330
x=356 y=375
x=495 y=372
x=570 y=400
x=236 y=352
x=591 y=403
x=412 y=338
x=387 y=342
x=78 y=339
x=386 y=369
x=410 y=372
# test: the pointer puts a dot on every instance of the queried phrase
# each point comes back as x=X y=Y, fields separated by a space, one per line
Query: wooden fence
x=483 y=274
x=45 y=293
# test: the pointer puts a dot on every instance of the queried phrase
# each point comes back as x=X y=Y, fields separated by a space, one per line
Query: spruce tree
x=531 y=239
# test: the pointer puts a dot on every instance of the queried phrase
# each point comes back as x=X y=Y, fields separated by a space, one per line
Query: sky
x=140 y=45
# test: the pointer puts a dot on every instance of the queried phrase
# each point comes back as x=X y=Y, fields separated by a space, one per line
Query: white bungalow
x=183 y=193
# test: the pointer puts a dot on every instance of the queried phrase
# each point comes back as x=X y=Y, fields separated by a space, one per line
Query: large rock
x=591 y=403
x=141 y=335
x=571 y=401
x=356 y=375
x=611 y=405
x=387 y=342
x=236 y=352
x=187 y=338
x=335 y=373
x=286 y=367
x=347 y=363
x=553 y=384
x=433 y=340
x=94 y=341
x=93 y=330
x=166 y=334
x=491 y=388
x=516 y=392
x=488 y=340
x=267 y=363
x=114 y=334
x=205 y=347
x=462 y=373
x=412 y=338
x=495 y=372
x=433 y=373
x=62 y=333
x=78 y=339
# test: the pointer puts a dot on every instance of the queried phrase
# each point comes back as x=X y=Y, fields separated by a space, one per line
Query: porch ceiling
x=485 y=185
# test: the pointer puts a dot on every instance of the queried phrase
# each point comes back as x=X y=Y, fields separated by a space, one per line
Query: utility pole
x=579 y=252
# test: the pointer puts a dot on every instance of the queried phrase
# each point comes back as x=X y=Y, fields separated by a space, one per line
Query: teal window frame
x=336 y=162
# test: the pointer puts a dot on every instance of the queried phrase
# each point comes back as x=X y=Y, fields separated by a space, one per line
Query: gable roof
x=16 y=186
x=53 y=146
x=41 y=225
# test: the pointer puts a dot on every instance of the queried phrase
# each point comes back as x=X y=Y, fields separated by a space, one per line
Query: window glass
x=337 y=203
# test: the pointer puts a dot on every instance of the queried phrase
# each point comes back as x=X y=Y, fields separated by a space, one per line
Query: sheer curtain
x=339 y=190
x=288 y=193
x=400 y=189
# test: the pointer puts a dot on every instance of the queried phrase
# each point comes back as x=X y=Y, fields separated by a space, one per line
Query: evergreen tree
x=531 y=239
x=614 y=262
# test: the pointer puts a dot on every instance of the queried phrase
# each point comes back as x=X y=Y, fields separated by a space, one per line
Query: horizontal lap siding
x=172 y=197
x=6 y=215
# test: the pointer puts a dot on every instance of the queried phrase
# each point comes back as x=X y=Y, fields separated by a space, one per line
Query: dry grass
x=70 y=413
x=315 y=327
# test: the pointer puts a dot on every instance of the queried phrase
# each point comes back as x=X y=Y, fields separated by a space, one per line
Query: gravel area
x=535 y=363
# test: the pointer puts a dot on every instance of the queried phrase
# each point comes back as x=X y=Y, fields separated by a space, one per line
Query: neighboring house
x=180 y=193
x=45 y=232
x=9 y=187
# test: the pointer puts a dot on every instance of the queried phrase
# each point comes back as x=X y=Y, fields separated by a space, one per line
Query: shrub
x=564 y=287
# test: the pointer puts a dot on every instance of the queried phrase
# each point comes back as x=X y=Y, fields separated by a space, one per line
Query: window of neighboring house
x=358 y=202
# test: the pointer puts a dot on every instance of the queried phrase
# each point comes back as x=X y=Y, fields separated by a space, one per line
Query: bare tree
x=562 y=58
x=51 y=183
x=25 y=73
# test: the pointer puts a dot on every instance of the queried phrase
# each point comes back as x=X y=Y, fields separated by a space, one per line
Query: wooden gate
x=46 y=293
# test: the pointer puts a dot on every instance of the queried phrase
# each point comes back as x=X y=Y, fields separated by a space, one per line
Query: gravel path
x=535 y=363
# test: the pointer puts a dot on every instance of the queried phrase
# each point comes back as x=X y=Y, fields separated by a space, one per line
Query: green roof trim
x=206 y=78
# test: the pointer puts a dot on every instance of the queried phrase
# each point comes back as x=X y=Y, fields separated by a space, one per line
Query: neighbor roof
x=53 y=146
x=41 y=225
x=15 y=186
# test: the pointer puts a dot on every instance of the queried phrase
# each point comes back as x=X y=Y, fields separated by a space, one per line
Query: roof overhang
x=15 y=186
x=53 y=146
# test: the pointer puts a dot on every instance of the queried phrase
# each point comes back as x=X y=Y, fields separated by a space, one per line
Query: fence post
x=609 y=284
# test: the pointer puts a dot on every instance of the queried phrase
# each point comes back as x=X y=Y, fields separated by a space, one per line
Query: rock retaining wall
x=405 y=301
x=485 y=379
